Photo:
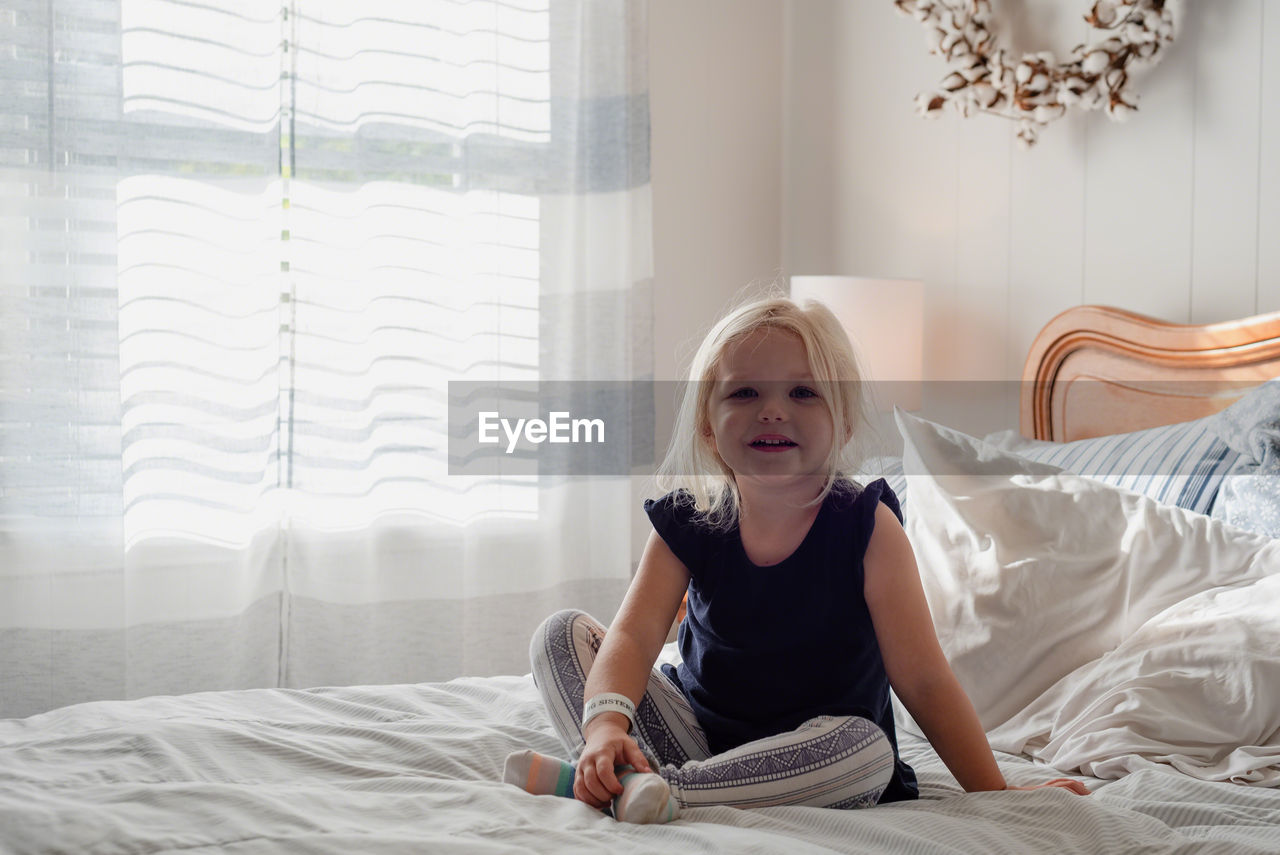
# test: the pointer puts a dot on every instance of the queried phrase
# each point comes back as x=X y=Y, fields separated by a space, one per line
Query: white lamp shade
x=885 y=320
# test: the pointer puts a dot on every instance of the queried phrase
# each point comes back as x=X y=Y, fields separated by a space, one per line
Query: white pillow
x=1032 y=572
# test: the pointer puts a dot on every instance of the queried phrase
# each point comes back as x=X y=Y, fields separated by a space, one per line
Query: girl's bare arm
x=916 y=666
x=626 y=656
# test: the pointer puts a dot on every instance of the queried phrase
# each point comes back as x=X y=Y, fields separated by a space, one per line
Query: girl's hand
x=608 y=745
x=1064 y=783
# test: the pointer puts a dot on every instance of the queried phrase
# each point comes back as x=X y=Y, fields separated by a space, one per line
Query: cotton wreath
x=1035 y=90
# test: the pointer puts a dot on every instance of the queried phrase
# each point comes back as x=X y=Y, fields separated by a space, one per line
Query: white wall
x=716 y=94
x=715 y=100
x=1175 y=214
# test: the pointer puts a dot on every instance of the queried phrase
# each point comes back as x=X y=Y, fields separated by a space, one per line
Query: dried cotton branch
x=1035 y=89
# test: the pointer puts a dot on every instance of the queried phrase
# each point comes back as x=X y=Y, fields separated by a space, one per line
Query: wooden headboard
x=1095 y=370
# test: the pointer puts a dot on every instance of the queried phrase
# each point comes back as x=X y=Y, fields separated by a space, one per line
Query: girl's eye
x=744 y=392
x=804 y=392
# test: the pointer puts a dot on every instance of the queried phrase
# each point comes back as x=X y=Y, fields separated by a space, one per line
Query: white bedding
x=1095 y=629
x=415 y=768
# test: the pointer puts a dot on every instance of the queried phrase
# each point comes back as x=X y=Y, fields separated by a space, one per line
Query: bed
x=417 y=767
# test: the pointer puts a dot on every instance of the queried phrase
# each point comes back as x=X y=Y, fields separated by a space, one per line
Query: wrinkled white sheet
x=1094 y=628
x=1189 y=688
x=416 y=768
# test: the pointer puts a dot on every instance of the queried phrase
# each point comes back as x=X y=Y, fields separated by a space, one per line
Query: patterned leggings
x=829 y=761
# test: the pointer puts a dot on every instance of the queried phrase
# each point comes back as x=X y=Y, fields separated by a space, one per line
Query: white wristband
x=609 y=702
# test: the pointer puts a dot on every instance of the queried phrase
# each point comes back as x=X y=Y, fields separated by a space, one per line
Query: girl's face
x=766 y=418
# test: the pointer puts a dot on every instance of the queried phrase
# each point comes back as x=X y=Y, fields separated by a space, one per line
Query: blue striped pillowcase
x=891 y=470
x=1181 y=464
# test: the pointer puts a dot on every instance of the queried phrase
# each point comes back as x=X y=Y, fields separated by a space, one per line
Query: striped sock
x=645 y=798
x=539 y=774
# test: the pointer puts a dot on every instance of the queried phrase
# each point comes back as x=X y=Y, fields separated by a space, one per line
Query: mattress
x=417 y=768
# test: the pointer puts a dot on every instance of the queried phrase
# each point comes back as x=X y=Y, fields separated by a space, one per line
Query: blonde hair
x=691 y=461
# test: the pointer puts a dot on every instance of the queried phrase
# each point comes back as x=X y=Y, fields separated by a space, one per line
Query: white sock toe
x=645 y=798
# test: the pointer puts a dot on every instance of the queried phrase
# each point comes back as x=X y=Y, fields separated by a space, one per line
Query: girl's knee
x=853 y=725
x=870 y=754
x=559 y=621
x=875 y=753
x=862 y=735
x=869 y=734
x=559 y=625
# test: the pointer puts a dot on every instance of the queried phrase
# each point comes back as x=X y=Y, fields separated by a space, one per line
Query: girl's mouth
x=773 y=444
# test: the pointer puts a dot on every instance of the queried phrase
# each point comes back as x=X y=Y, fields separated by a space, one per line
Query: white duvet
x=415 y=769
x=1095 y=629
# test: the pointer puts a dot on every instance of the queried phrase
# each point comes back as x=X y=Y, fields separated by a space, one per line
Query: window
x=256 y=253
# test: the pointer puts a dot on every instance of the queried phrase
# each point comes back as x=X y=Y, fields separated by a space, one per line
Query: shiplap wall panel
x=813 y=52
x=1046 y=246
x=1138 y=196
x=933 y=164
x=898 y=162
x=1228 y=77
x=982 y=265
x=895 y=186
x=982 y=247
x=1268 y=238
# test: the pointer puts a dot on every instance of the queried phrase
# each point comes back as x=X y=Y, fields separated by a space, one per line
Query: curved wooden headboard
x=1095 y=370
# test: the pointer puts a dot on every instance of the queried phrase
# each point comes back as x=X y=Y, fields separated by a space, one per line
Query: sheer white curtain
x=244 y=248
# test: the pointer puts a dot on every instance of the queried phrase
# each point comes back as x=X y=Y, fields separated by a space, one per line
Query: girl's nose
x=771 y=411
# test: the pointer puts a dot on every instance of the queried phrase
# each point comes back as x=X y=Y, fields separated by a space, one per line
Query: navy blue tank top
x=767 y=648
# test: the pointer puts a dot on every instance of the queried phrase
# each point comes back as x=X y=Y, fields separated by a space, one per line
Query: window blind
x=245 y=247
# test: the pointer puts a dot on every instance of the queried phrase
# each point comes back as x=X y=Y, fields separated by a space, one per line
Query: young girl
x=804 y=607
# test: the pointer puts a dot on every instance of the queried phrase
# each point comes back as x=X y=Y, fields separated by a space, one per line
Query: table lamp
x=885 y=320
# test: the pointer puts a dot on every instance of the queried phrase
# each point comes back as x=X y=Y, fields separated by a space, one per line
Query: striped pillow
x=1181 y=464
x=890 y=469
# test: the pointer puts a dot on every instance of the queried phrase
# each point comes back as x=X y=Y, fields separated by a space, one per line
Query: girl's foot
x=539 y=774
x=645 y=798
